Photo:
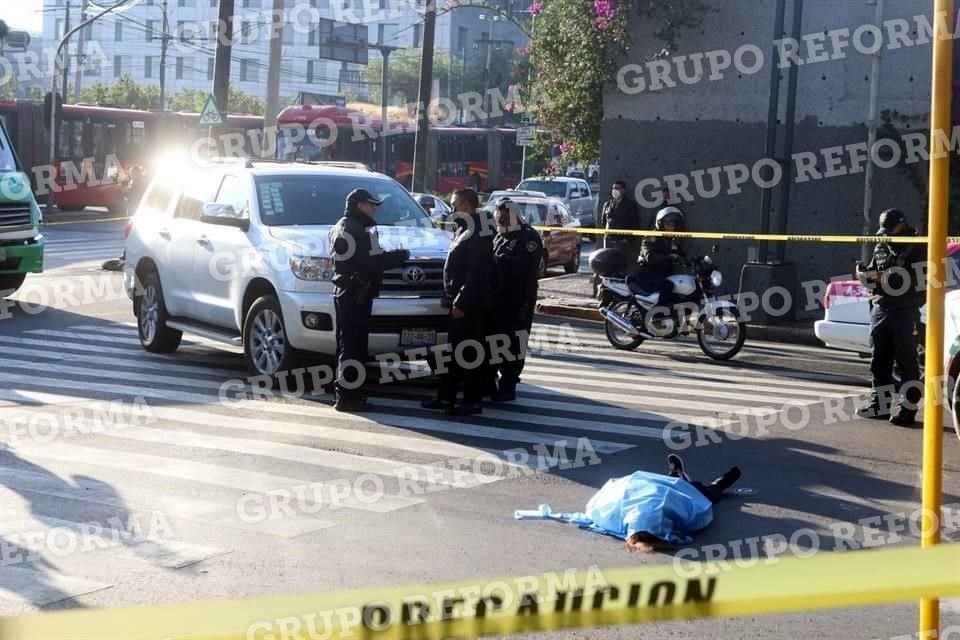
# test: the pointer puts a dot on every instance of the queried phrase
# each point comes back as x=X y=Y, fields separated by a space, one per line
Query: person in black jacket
x=658 y=255
x=359 y=264
x=517 y=249
x=620 y=212
x=894 y=320
x=468 y=291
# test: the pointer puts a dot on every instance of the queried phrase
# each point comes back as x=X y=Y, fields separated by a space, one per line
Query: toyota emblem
x=413 y=275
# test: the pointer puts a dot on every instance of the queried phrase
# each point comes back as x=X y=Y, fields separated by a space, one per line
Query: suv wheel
x=265 y=344
x=9 y=283
x=155 y=335
x=574 y=265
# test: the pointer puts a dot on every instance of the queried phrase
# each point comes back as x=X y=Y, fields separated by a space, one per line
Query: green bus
x=21 y=243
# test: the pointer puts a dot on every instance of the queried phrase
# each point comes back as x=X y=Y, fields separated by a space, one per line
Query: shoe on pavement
x=873 y=412
x=905 y=419
x=352 y=405
x=675 y=467
x=466 y=409
x=726 y=481
x=505 y=395
x=437 y=403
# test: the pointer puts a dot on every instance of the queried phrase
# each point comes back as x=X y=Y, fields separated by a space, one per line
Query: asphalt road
x=191 y=469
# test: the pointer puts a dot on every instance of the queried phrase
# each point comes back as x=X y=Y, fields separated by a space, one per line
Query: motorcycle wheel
x=617 y=337
x=730 y=318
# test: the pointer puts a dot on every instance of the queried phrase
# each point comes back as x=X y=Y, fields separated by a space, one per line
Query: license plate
x=418 y=337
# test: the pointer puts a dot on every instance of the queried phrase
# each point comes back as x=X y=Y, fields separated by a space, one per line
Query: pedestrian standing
x=359 y=263
x=468 y=294
x=894 y=321
x=517 y=250
x=621 y=212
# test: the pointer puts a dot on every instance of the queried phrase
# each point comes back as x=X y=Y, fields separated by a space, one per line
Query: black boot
x=877 y=407
x=726 y=481
x=905 y=418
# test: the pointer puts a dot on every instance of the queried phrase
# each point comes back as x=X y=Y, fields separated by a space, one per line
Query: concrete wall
x=714 y=123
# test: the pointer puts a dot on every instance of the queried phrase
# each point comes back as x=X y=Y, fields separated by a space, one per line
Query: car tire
x=155 y=336
x=574 y=265
x=10 y=282
x=266 y=348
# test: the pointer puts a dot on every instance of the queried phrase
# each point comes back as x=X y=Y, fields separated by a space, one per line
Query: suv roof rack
x=249 y=162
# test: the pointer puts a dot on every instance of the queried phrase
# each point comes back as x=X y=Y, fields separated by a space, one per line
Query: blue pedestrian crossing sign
x=211 y=115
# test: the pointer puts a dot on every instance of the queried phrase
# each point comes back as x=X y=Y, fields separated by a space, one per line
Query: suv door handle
x=203 y=241
x=164 y=234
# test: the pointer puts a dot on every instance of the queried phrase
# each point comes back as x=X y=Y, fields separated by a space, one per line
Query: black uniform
x=657 y=258
x=359 y=264
x=468 y=286
x=517 y=258
x=895 y=323
x=624 y=214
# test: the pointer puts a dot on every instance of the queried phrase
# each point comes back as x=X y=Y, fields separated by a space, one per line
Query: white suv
x=237 y=252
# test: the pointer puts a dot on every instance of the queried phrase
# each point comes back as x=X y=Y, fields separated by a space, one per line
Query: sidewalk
x=572 y=297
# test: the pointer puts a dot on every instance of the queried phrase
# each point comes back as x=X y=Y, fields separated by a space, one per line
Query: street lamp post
x=493 y=18
x=53 y=81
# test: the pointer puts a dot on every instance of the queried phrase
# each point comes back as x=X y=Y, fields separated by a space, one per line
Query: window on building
x=313 y=39
x=151 y=29
x=248 y=32
x=118 y=32
x=148 y=66
x=91 y=66
x=463 y=35
x=417 y=35
x=186 y=3
x=213 y=3
x=288 y=33
x=249 y=71
x=209 y=68
x=117 y=66
x=59 y=28
x=251 y=4
x=313 y=71
x=387 y=33
x=184 y=69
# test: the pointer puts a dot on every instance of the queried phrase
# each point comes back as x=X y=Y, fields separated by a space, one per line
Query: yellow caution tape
x=743 y=236
x=534 y=603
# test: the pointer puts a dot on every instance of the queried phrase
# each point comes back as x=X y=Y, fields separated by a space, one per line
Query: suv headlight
x=716 y=278
x=310 y=268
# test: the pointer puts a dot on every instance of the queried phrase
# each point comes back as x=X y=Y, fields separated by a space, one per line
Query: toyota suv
x=237 y=251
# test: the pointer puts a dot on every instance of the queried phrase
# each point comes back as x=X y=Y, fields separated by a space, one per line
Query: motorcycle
x=632 y=315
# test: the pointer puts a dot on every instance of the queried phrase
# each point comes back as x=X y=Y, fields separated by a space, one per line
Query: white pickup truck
x=573 y=192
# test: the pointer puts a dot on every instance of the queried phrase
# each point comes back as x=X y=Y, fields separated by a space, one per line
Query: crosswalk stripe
x=206 y=473
x=180 y=506
x=132 y=340
x=159 y=551
x=43 y=586
x=133 y=352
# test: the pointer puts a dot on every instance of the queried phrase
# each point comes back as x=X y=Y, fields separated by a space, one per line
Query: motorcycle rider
x=658 y=255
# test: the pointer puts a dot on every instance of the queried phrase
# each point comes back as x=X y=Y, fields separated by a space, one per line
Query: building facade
x=131 y=41
x=714 y=118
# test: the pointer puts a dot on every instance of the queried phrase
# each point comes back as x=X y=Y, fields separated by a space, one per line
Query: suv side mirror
x=224 y=215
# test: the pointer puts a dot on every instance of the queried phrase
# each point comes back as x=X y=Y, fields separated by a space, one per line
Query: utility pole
x=423 y=97
x=385 y=55
x=273 y=79
x=163 y=56
x=221 y=64
x=486 y=73
x=66 y=58
x=871 y=136
x=78 y=78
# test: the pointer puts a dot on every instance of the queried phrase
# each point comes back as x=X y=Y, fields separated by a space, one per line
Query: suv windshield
x=552 y=188
x=7 y=161
x=287 y=200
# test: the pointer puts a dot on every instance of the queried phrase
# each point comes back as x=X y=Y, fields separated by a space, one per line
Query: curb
x=74 y=217
x=763 y=332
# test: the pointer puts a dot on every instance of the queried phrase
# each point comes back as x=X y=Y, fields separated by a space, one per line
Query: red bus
x=457 y=157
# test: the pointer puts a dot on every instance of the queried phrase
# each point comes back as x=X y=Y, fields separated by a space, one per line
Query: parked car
x=561 y=248
x=436 y=208
x=846 y=322
x=512 y=193
x=575 y=193
x=238 y=252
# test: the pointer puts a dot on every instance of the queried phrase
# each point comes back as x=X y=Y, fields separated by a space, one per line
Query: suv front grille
x=416 y=278
x=396 y=324
x=14 y=214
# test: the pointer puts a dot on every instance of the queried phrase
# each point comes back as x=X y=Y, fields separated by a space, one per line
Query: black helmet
x=669 y=214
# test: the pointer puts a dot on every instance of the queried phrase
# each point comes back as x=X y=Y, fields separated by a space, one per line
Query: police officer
x=517 y=249
x=359 y=264
x=658 y=255
x=620 y=212
x=894 y=320
x=468 y=291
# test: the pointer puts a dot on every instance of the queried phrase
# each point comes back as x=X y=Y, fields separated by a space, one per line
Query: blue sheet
x=669 y=508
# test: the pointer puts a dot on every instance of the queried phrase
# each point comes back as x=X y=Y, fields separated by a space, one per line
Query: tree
x=576 y=48
x=124 y=93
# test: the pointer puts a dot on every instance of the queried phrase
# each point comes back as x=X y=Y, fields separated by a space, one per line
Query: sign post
x=211 y=117
x=525 y=137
